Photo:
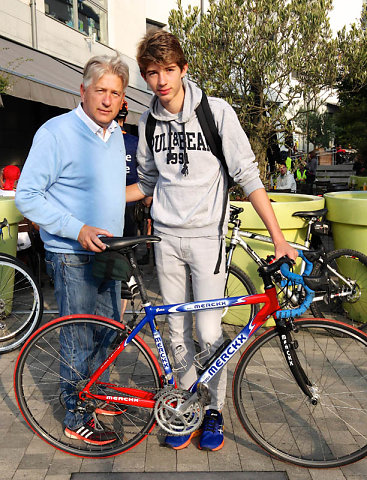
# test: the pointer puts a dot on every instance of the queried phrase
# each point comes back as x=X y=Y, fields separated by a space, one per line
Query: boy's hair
x=161 y=47
x=98 y=66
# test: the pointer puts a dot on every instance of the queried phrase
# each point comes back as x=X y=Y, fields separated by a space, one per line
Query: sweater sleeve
x=237 y=150
x=40 y=172
x=147 y=170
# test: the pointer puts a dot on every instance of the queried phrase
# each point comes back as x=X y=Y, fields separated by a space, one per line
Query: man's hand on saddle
x=88 y=238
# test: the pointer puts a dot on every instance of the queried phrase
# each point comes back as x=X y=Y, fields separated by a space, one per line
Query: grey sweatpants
x=176 y=258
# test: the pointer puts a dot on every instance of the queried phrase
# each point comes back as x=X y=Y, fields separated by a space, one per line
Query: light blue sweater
x=71 y=177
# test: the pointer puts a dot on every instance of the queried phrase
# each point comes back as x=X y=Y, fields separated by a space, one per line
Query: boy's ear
x=144 y=77
x=184 y=70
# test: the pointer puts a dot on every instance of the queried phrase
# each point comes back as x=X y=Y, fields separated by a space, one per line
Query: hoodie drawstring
x=185 y=167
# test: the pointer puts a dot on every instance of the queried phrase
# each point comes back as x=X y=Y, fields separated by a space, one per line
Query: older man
x=73 y=186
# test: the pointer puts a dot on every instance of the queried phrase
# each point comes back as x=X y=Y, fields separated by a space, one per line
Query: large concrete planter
x=8 y=210
x=8 y=244
x=347 y=212
x=294 y=229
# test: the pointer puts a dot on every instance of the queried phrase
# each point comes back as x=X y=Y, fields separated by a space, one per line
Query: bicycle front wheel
x=345 y=298
x=282 y=419
x=238 y=284
x=47 y=384
x=21 y=303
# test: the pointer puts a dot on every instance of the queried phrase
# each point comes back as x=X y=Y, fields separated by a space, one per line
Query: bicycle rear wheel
x=351 y=306
x=238 y=284
x=40 y=384
x=21 y=303
x=281 y=418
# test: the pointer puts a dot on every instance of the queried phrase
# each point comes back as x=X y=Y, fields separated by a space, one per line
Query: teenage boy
x=72 y=186
x=190 y=193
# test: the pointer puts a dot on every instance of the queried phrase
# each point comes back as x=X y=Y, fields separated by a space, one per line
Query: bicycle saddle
x=120 y=243
x=311 y=213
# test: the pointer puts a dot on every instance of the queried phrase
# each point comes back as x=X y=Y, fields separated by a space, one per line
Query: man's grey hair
x=98 y=66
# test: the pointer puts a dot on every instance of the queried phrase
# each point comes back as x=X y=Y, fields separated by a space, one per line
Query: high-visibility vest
x=301 y=176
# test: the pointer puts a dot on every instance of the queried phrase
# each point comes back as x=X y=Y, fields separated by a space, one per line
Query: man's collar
x=97 y=129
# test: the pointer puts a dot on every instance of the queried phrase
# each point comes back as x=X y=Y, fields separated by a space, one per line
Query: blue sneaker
x=179 y=442
x=212 y=436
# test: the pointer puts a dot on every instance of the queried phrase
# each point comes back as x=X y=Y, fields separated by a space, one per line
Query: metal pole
x=34 y=23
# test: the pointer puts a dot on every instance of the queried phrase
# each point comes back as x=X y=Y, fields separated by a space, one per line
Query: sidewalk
x=24 y=456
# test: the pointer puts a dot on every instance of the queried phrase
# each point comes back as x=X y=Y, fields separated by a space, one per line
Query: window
x=86 y=16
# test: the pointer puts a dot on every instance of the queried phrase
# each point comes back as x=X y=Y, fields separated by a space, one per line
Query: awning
x=42 y=78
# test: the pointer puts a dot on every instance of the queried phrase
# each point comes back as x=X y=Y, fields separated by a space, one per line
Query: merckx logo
x=162 y=353
x=198 y=306
x=287 y=348
x=226 y=355
x=123 y=399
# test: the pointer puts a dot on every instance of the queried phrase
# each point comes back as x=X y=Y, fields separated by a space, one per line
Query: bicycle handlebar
x=298 y=280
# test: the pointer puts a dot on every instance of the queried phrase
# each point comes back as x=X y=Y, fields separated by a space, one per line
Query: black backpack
x=210 y=131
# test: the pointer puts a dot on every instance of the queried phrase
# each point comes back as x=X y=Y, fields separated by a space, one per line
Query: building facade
x=44 y=45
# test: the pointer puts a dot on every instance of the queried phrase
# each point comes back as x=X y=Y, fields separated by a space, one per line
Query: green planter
x=8 y=244
x=294 y=229
x=8 y=210
x=347 y=212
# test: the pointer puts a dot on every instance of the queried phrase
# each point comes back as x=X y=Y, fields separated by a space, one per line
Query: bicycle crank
x=178 y=412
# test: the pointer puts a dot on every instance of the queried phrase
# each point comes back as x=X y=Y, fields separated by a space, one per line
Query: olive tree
x=264 y=57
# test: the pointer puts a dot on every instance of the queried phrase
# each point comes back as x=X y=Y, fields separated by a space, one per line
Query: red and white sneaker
x=109 y=409
x=90 y=434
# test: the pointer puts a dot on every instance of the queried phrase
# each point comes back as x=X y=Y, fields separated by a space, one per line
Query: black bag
x=112 y=265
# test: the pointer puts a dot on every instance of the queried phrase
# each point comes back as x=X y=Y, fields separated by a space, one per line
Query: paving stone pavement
x=24 y=456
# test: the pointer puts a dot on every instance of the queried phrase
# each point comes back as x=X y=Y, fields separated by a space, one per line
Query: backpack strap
x=149 y=130
x=210 y=130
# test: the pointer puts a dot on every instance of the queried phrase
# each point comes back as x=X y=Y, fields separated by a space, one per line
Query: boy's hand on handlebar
x=88 y=238
x=284 y=248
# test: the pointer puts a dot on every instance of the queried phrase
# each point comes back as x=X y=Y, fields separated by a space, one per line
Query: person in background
x=128 y=289
x=73 y=186
x=285 y=180
x=311 y=168
x=8 y=181
x=190 y=210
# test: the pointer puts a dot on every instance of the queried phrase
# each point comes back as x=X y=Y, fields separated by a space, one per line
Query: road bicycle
x=21 y=300
x=299 y=388
x=341 y=292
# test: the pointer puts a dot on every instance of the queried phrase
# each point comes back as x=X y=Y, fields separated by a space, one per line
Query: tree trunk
x=260 y=153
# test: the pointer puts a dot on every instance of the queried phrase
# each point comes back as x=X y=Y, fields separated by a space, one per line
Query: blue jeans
x=82 y=349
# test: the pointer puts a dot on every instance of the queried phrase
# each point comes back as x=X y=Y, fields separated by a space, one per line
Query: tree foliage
x=318 y=127
x=263 y=56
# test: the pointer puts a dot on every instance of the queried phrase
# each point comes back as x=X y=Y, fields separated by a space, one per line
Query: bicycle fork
x=289 y=347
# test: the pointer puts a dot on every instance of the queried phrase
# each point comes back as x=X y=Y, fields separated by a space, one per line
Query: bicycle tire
x=42 y=401
x=352 y=308
x=21 y=303
x=281 y=418
x=239 y=284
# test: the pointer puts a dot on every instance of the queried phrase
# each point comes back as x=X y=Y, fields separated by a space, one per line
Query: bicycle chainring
x=173 y=421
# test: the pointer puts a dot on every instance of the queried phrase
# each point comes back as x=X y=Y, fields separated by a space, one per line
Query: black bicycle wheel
x=281 y=418
x=351 y=303
x=21 y=303
x=44 y=391
x=238 y=284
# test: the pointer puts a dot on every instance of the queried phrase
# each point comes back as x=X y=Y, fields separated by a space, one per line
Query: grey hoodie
x=190 y=204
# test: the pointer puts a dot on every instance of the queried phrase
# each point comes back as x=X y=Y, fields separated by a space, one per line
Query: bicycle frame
x=238 y=236
x=145 y=399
